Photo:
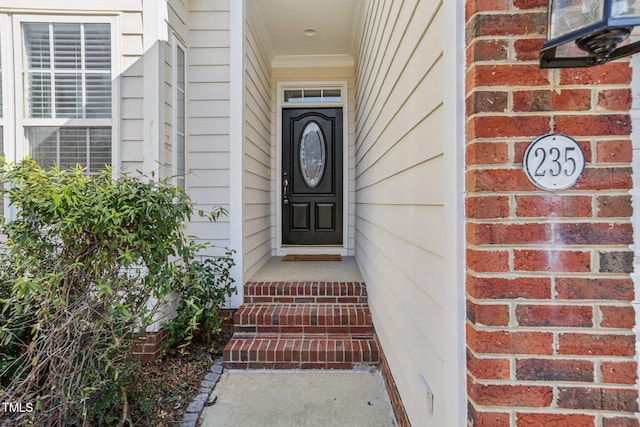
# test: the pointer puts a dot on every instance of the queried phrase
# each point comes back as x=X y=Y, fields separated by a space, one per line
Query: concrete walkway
x=299 y=398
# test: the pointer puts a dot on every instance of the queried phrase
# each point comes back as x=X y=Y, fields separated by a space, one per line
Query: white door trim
x=280 y=104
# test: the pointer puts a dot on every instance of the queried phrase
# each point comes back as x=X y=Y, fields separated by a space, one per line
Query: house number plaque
x=554 y=162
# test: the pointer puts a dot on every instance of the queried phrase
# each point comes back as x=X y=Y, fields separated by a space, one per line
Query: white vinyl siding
x=67 y=72
x=257 y=154
x=131 y=78
x=207 y=127
x=399 y=190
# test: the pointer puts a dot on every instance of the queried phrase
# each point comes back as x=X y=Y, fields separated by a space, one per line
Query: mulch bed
x=167 y=386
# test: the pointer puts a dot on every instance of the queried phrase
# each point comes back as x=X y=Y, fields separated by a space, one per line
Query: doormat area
x=305 y=257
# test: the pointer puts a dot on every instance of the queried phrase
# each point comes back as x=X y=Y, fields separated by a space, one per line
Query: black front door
x=312 y=176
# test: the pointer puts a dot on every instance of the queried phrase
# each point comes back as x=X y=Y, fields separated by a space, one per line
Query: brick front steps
x=305 y=292
x=298 y=318
x=302 y=325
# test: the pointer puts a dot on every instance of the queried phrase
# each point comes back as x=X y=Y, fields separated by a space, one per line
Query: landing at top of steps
x=339 y=271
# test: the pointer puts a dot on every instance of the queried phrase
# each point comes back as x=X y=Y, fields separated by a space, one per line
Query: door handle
x=285 y=192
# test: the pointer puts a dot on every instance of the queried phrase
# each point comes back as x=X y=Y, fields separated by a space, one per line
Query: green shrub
x=82 y=261
x=202 y=292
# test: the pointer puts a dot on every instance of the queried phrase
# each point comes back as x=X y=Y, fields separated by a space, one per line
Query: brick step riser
x=306 y=289
x=296 y=353
x=303 y=299
x=298 y=365
x=300 y=315
x=362 y=331
x=281 y=358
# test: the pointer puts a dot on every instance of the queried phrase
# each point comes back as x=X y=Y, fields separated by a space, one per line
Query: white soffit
x=284 y=24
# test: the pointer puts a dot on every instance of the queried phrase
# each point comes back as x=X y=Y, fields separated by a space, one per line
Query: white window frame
x=7 y=120
x=17 y=76
x=177 y=44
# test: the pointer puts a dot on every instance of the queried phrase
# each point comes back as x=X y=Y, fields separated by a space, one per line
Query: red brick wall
x=549 y=319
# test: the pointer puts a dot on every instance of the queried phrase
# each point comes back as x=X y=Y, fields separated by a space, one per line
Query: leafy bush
x=83 y=259
x=202 y=292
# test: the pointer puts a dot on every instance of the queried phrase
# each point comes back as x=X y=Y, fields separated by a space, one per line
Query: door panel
x=300 y=218
x=325 y=216
x=312 y=176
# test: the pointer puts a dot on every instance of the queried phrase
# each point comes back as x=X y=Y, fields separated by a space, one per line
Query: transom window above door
x=312 y=95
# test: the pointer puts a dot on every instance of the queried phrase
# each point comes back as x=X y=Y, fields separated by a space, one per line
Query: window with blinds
x=67 y=147
x=67 y=72
x=180 y=117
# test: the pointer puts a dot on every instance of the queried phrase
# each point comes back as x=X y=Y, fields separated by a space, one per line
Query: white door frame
x=280 y=104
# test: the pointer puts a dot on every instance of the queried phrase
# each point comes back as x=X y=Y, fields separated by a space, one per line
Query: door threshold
x=312 y=250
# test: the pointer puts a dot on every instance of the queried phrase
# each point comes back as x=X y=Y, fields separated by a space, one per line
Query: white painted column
x=455 y=392
x=236 y=142
x=154 y=15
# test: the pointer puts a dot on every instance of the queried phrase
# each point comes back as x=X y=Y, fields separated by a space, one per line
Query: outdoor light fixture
x=582 y=33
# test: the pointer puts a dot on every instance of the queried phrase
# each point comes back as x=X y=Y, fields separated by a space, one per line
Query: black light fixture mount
x=583 y=33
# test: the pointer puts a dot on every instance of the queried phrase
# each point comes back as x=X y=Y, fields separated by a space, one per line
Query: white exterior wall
x=400 y=186
x=131 y=90
x=207 y=141
x=144 y=112
x=257 y=195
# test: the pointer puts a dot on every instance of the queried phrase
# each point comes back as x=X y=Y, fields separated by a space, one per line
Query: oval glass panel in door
x=313 y=157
